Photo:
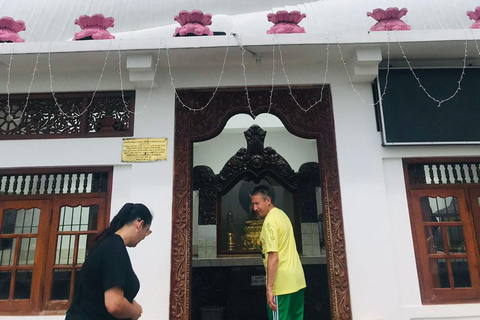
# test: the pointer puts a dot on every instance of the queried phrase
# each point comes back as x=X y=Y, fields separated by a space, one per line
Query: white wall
x=148 y=183
x=381 y=263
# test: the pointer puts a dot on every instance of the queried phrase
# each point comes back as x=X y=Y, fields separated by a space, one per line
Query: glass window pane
x=23 y=284
x=65 y=249
x=461 y=275
x=456 y=243
x=62 y=218
x=83 y=241
x=434 y=240
x=92 y=217
x=27 y=251
x=8 y=224
x=78 y=218
x=439 y=209
x=20 y=221
x=84 y=219
x=439 y=272
x=61 y=284
x=5 y=279
x=28 y=221
x=36 y=221
x=7 y=251
x=65 y=223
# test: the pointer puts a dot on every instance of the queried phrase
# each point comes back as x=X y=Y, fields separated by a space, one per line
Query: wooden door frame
x=194 y=126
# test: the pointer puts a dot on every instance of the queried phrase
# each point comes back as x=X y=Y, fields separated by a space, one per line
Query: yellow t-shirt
x=277 y=236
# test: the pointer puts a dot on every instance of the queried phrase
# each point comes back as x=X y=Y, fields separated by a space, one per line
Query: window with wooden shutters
x=444 y=202
x=48 y=221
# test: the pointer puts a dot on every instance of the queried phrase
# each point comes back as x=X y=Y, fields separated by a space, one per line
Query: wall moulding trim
x=192 y=127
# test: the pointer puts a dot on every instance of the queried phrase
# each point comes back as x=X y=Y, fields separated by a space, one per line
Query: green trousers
x=290 y=306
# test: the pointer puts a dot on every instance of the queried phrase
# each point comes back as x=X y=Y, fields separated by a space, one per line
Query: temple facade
x=360 y=115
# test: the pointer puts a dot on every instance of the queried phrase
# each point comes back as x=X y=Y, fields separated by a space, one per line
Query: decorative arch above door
x=316 y=123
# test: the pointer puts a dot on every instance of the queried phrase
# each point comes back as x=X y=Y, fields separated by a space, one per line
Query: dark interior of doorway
x=233 y=292
x=232 y=287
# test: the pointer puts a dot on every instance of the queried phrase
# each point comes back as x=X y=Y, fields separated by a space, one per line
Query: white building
x=399 y=195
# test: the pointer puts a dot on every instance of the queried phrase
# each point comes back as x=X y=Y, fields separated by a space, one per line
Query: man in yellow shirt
x=285 y=277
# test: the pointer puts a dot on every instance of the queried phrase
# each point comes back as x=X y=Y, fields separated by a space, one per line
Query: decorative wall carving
x=317 y=124
x=41 y=116
x=308 y=178
x=205 y=181
x=109 y=114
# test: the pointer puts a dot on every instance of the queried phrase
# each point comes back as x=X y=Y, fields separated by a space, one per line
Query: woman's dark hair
x=129 y=213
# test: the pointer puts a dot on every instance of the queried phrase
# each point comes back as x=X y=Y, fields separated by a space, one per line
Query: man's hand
x=270 y=300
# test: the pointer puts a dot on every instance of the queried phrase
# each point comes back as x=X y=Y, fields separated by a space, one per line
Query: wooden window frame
x=44 y=264
x=470 y=221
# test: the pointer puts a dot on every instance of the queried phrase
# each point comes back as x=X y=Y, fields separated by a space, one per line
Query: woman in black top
x=108 y=285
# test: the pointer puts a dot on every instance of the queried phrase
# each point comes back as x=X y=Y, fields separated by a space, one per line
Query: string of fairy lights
x=244 y=68
x=276 y=45
x=304 y=109
x=75 y=114
x=350 y=81
x=459 y=82
x=172 y=82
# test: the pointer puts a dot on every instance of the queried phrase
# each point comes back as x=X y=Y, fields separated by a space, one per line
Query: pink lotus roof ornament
x=286 y=22
x=94 y=27
x=9 y=29
x=389 y=19
x=193 y=23
x=475 y=15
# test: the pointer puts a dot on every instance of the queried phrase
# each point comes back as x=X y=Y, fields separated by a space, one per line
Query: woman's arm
x=119 y=307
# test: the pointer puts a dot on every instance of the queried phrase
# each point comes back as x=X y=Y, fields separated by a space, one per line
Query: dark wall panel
x=410 y=116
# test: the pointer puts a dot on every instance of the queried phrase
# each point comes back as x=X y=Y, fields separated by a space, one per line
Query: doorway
x=317 y=123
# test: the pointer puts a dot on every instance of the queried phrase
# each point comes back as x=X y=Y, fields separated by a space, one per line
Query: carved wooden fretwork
x=317 y=123
x=308 y=178
x=206 y=181
x=253 y=162
x=41 y=116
